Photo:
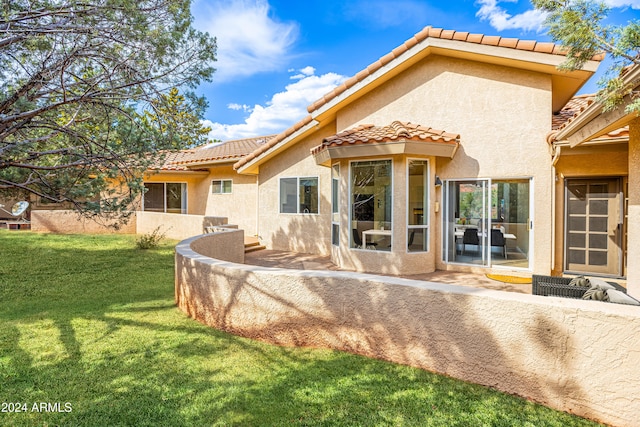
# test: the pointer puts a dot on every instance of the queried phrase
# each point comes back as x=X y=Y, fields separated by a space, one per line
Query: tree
x=580 y=26
x=89 y=98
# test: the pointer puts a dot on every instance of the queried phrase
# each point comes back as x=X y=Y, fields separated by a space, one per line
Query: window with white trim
x=299 y=195
x=221 y=186
x=417 y=206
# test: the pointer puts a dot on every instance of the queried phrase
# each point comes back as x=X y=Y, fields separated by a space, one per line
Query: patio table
x=374 y=232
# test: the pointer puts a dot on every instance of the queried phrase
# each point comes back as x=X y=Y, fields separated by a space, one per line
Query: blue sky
x=275 y=57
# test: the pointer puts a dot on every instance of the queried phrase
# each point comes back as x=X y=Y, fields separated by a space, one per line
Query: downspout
x=258 y=206
x=555 y=151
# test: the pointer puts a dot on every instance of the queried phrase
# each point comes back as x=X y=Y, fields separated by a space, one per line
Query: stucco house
x=446 y=133
x=455 y=151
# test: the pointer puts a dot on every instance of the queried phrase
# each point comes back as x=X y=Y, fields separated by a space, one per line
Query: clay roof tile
x=461 y=36
x=447 y=34
x=396 y=131
x=508 y=42
x=526 y=44
x=475 y=38
x=491 y=40
x=544 y=47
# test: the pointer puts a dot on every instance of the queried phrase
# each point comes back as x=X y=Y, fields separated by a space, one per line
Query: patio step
x=252 y=245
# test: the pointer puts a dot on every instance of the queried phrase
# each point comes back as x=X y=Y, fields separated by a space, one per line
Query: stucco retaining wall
x=225 y=245
x=69 y=222
x=572 y=355
x=175 y=226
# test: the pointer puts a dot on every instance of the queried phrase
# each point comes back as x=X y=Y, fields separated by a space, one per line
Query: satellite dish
x=19 y=208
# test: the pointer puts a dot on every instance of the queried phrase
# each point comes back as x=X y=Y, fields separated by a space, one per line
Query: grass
x=88 y=324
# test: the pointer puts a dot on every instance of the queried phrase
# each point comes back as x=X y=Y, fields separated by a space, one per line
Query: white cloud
x=304 y=72
x=532 y=19
x=238 y=107
x=250 y=41
x=283 y=110
x=634 y=4
x=501 y=20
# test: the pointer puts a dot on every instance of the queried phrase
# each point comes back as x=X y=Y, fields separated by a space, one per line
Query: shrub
x=150 y=240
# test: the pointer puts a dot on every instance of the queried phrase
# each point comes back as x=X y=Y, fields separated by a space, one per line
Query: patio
x=297 y=261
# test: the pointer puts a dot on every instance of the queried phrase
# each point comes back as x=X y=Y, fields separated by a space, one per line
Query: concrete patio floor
x=297 y=261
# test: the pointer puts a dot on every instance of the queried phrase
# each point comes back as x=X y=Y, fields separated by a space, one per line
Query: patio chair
x=358 y=241
x=470 y=237
x=497 y=239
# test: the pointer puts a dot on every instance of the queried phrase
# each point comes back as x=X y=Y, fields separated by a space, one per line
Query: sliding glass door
x=487 y=222
x=466 y=221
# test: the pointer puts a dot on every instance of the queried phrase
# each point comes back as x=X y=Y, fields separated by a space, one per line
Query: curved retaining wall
x=576 y=356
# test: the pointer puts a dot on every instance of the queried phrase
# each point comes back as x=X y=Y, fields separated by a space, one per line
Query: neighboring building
x=452 y=152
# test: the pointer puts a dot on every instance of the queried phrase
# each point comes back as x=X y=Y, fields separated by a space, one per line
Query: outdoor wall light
x=438 y=182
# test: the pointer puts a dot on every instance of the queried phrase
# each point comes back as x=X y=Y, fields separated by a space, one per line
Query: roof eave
x=415 y=148
x=529 y=60
x=252 y=164
x=153 y=172
x=216 y=162
x=593 y=122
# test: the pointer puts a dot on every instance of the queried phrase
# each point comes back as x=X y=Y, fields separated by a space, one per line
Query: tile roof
x=575 y=106
x=573 y=109
x=273 y=142
x=171 y=161
x=439 y=33
x=395 y=132
x=226 y=151
x=229 y=151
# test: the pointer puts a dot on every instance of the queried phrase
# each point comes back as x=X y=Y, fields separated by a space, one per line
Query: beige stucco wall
x=69 y=222
x=305 y=233
x=174 y=226
x=222 y=245
x=572 y=355
x=240 y=206
x=583 y=162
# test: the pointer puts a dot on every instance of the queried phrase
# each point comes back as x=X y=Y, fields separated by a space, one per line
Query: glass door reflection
x=467 y=222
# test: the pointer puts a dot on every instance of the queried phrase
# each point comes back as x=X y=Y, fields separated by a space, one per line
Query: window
x=371 y=205
x=335 y=205
x=299 y=195
x=168 y=197
x=417 y=206
x=221 y=186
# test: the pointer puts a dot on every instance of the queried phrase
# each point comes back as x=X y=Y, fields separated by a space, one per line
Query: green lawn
x=88 y=324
